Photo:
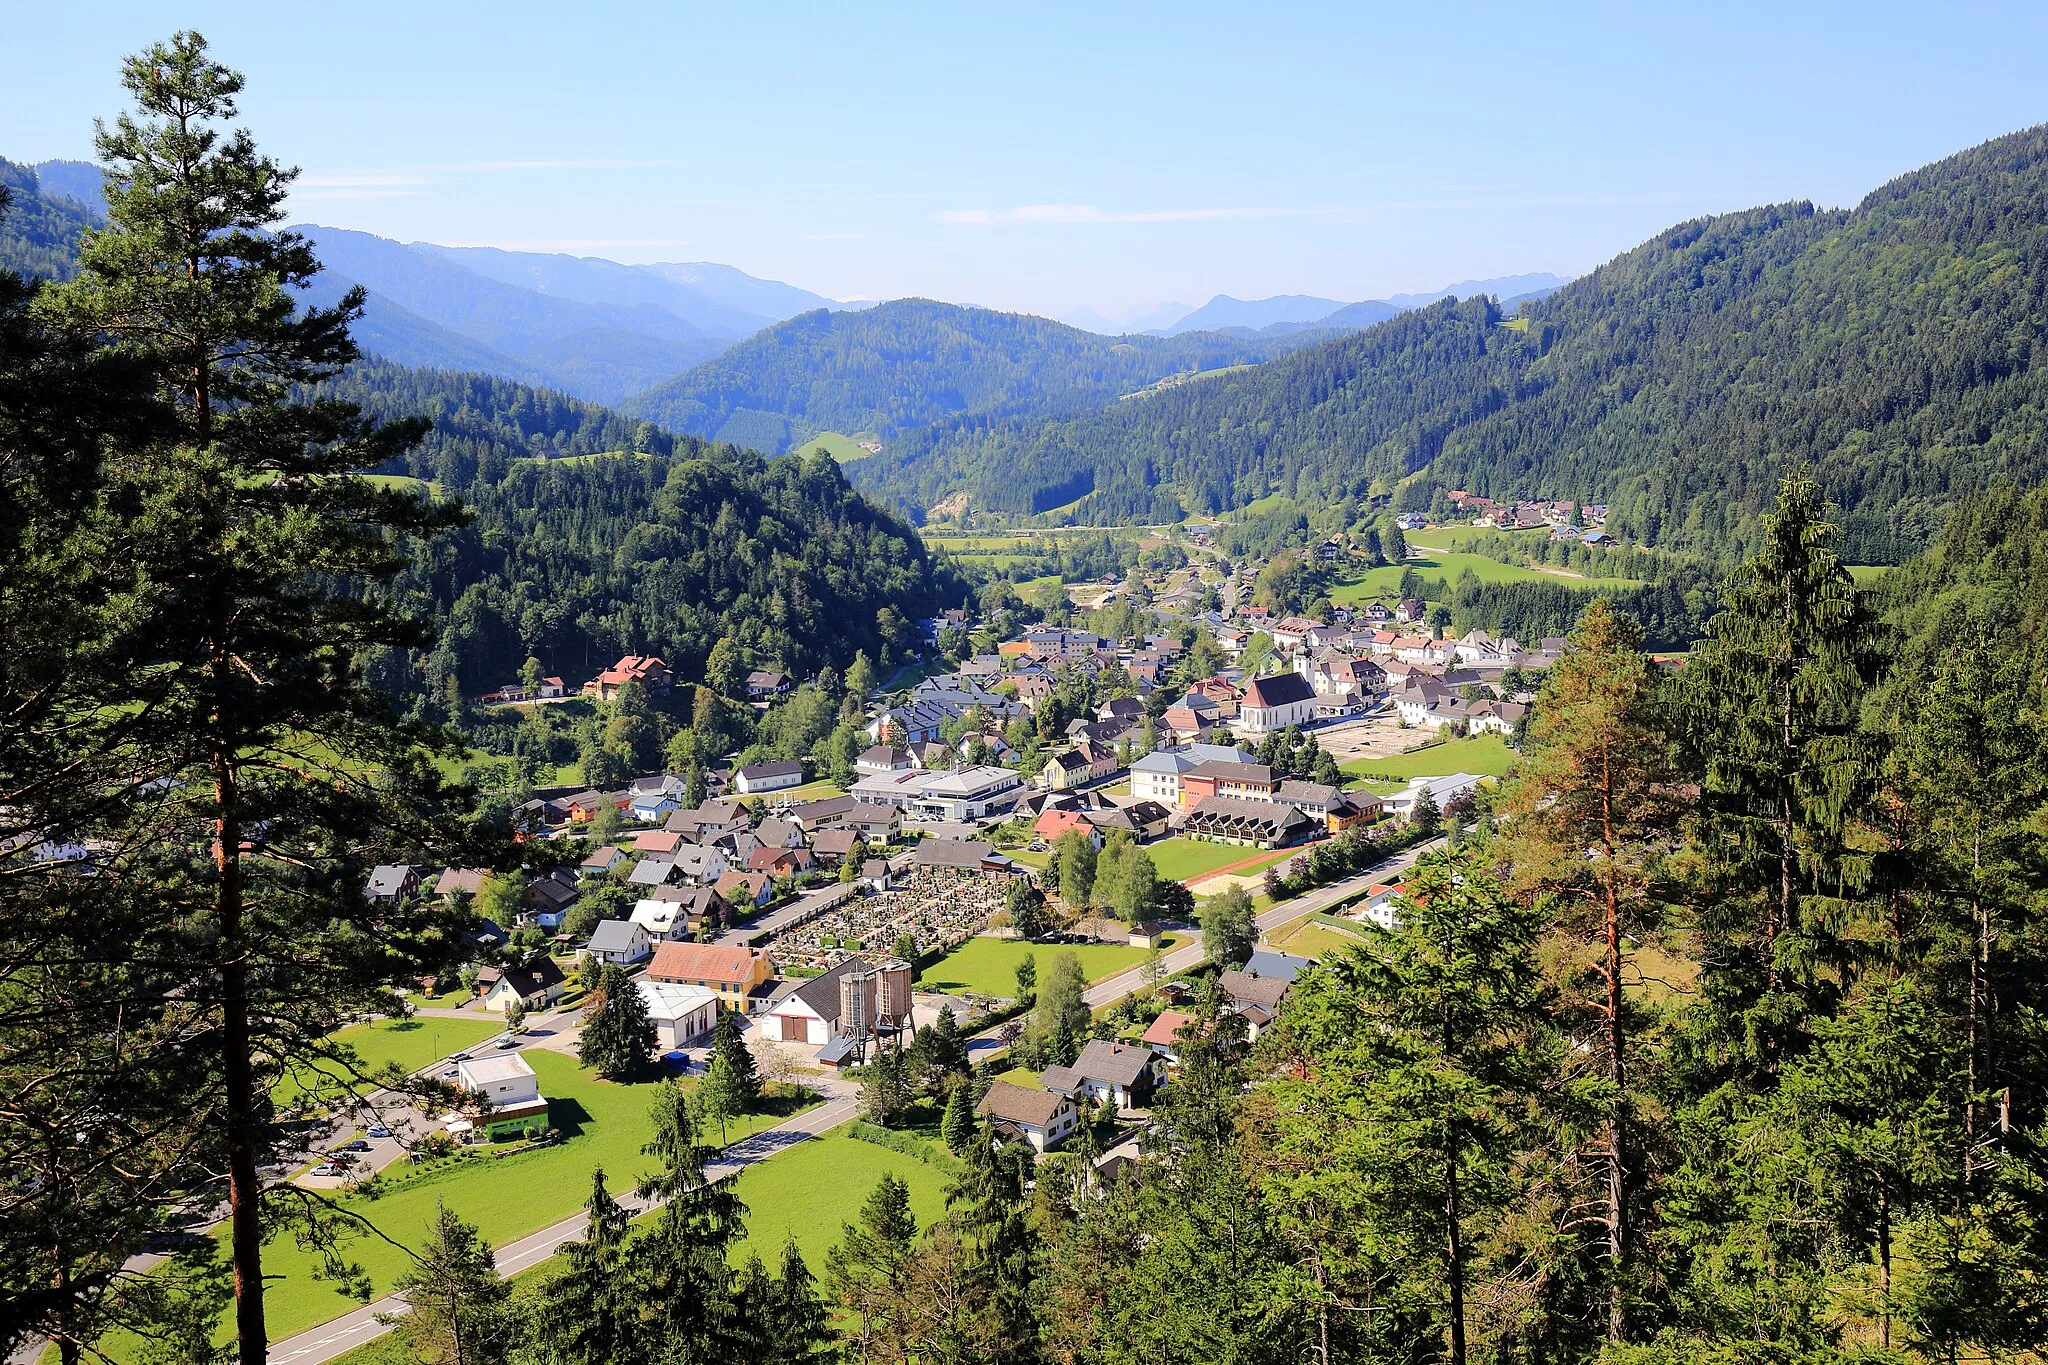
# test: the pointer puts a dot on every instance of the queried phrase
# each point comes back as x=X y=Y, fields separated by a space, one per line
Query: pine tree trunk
x=245 y=1187
x=1617 y=1134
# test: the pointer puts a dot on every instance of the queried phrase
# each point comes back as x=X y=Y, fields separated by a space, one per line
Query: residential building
x=1271 y=962
x=673 y=912
x=1029 y=1114
x=769 y=777
x=600 y=861
x=766 y=684
x=1163 y=1034
x=467 y=881
x=1442 y=790
x=682 y=1015
x=1125 y=1074
x=390 y=882
x=728 y=970
x=747 y=888
x=709 y=820
x=651 y=673
x=1256 y=998
x=1411 y=609
x=650 y=799
x=534 y=987
x=882 y=758
x=508 y=1092
x=1276 y=702
x=620 y=941
x=1193 y=716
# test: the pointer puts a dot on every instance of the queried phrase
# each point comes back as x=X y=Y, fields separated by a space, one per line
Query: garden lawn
x=1488 y=755
x=1384 y=583
x=604 y=1123
x=1309 y=939
x=412 y=1043
x=988 y=966
x=807 y=1191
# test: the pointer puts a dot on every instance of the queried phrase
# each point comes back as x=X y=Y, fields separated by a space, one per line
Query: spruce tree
x=1771 y=702
x=867 y=1273
x=799 y=1329
x=260 y=551
x=683 y=1262
x=456 y=1303
x=957 y=1127
x=592 y=1312
x=617 y=1035
x=729 y=1045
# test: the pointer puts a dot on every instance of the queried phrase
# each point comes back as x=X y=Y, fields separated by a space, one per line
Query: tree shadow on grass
x=567 y=1116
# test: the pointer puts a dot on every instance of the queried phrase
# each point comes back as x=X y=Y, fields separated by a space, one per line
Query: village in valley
x=976 y=890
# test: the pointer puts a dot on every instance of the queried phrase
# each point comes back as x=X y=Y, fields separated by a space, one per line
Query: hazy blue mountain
x=1362 y=314
x=743 y=293
x=593 y=280
x=1507 y=287
x=1257 y=314
x=38 y=232
x=78 y=180
x=1146 y=317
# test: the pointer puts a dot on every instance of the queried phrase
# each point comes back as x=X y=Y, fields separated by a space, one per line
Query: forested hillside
x=666 y=546
x=581 y=561
x=38 y=231
x=1895 y=348
x=899 y=365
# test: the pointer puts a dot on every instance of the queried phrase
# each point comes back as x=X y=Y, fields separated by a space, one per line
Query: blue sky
x=1052 y=157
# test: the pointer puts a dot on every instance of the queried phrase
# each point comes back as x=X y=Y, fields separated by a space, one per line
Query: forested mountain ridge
x=39 y=230
x=1895 y=348
x=664 y=552
x=899 y=365
x=654 y=543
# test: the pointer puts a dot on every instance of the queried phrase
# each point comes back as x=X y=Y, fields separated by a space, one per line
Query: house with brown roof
x=532 y=988
x=1125 y=1074
x=726 y=968
x=753 y=888
x=1256 y=998
x=1029 y=1114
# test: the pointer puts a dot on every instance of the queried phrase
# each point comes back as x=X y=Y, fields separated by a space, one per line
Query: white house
x=1040 y=1117
x=1443 y=790
x=508 y=1090
x=621 y=941
x=962 y=794
x=1276 y=702
x=682 y=1014
x=769 y=777
x=1125 y=1074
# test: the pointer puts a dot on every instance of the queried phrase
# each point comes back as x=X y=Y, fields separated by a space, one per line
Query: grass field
x=412 y=1043
x=1309 y=939
x=604 y=1124
x=1384 y=582
x=1488 y=755
x=810 y=791
x=988 y=966
x=838 y=445
x=1176 y=860
x=810 y=1189
x=1867 y=574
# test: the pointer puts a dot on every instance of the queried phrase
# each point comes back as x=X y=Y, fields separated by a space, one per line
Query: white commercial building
x=961 y=794
x=683 y=1014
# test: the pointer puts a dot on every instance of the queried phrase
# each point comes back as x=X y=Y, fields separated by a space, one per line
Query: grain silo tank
x=858 y=1004
x=894 y=996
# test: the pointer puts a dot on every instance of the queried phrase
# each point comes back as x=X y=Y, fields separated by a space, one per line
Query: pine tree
x=261 y=549
x=1060 y=1020
x=1586 y=819
x=986 y=1204
x=1027 y=976
x=456 y=1305
x=617 y=1035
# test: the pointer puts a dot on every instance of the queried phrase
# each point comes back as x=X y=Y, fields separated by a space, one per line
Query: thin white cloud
x=352 y=192
x=373 y=180
x=1089 y=215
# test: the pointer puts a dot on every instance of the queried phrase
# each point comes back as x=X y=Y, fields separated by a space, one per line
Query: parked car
x=452 y=1074
x=462 y=1057
x=171 y=1243
x=504 y=1043
x=326 y=1168
x=380 y=1131
x=358 y=1145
